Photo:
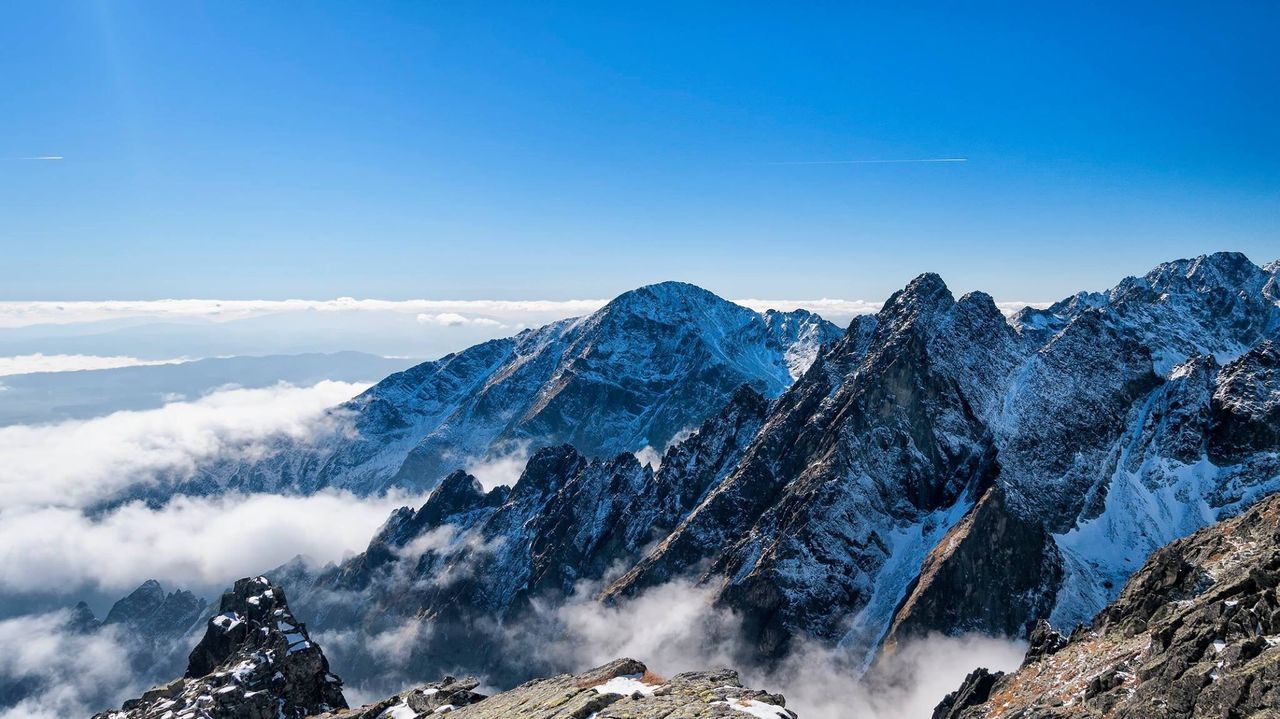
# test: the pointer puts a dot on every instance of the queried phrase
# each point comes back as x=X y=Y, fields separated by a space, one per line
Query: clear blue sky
x=544 y=149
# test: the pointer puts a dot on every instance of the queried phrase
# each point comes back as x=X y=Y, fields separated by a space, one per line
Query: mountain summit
x=649 y=365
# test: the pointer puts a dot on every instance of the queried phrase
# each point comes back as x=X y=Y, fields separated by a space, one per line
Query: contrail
x=42 y=157
x=869 y=162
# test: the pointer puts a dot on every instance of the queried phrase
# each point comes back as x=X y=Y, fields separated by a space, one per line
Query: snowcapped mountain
x=648 y=366
x=933 y=452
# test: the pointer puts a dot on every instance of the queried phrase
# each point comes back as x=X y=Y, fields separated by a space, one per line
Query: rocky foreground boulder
x=622 y=689
x=256 y=661
x=1195 y=633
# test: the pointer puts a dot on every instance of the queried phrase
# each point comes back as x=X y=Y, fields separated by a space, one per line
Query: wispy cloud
x=679 y=627
x=195 y=542
x=870 y=162
x=491 y=313
x=26 y=364
x=453 y=319
x=23 y=314
x=501 y=468
x=60 y=671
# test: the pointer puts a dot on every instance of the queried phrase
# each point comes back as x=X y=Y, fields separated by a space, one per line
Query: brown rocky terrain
x=1195 y=633
x=256 y=661
x=622 y=689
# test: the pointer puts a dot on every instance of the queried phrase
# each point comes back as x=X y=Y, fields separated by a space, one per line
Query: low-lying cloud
x=677 y=627
x=199 y=543
x=27 y=364
x=54 y=537
x=503 y=312
x=23 y=314
x=64 y=672
x=500 y=468
x=81 y=462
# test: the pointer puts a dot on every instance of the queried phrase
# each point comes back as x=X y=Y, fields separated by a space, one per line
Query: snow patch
x=756 y=708
x=625 y=685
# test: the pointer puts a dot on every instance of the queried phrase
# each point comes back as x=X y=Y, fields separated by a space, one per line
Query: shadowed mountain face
x=1195 y=633
x=937 y=469
x=653 y=363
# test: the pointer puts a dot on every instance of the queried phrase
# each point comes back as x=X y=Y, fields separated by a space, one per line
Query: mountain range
x=927 y=453
x=636 y=374
x=937 y=467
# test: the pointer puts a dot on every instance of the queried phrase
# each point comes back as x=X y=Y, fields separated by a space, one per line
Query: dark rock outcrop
x=1195 y=633
x=256 y=661
x=991 y=550
x=973 y=691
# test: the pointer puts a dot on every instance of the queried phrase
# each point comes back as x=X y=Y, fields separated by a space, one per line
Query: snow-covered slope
x=651 y=364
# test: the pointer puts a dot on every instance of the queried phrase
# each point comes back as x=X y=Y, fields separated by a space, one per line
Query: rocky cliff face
x=1195 y=633
x=256 y=661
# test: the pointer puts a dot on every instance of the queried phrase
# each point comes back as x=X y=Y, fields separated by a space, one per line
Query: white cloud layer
x=675 y=627
x=22 y=314
x=26 y=364
x=80 y=462
x=74 y=674
x=453 y=319
x=500 y=469
x=440 y=312
x=51 y=474
x=192 y=542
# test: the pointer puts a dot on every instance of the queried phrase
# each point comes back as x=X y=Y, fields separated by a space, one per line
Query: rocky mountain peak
x=979 y=301
x=456 y=493
x=665 y=297
x=150 y=609
x=256 y=661
x=547 y=469
x=1229 y=269
x=645 y=368
x=924 y=294
x=81 y=619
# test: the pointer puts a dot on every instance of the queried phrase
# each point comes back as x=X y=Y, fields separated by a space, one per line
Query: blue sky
x=561 y=150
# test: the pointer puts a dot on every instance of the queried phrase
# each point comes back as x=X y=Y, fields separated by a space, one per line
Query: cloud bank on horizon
x=448 y=313
x=40 y=362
